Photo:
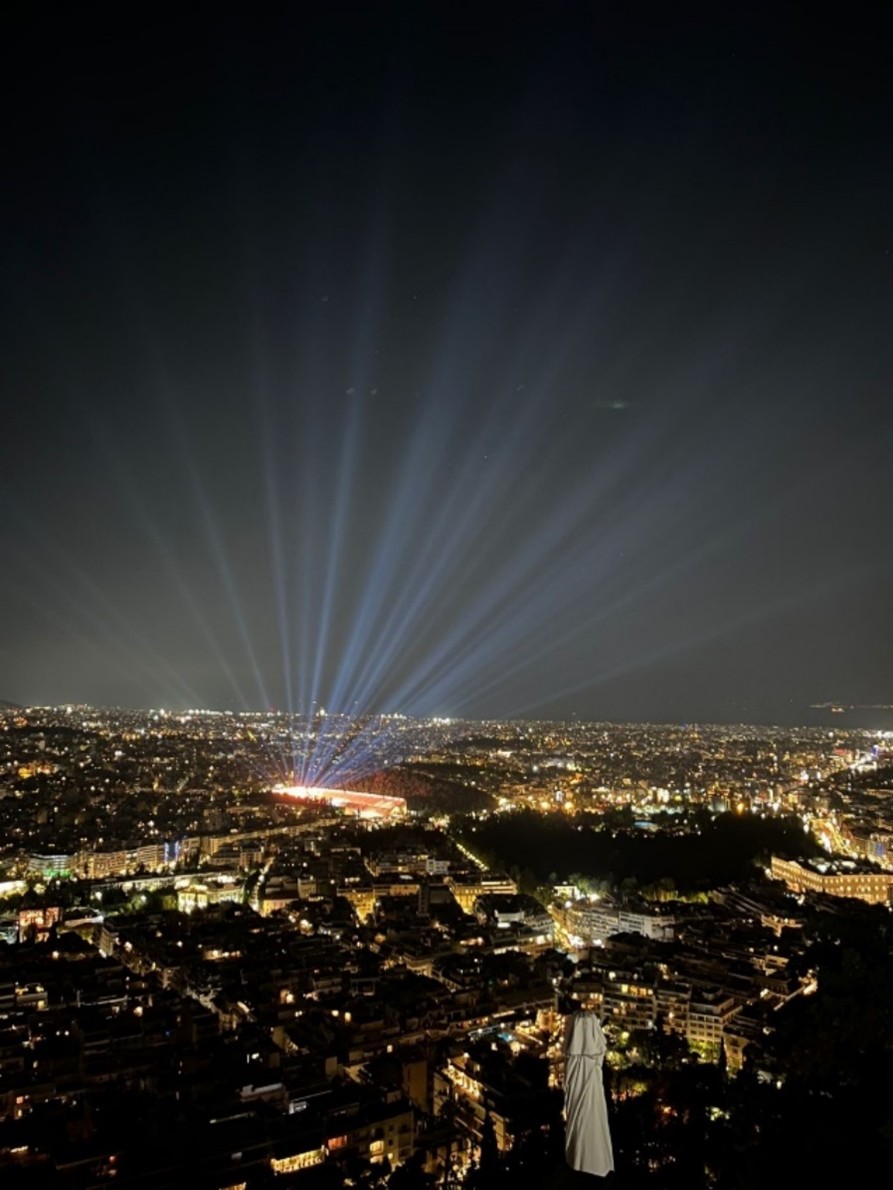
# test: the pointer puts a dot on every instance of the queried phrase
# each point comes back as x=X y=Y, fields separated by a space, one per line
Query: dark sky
x=447 y=358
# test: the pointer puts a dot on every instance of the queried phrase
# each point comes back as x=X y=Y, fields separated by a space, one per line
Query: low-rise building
x=835 y=877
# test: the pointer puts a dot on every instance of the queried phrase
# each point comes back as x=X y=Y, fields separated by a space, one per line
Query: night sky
x=459 y=359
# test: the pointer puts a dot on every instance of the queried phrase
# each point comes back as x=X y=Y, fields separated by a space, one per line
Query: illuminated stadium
x=364 y=805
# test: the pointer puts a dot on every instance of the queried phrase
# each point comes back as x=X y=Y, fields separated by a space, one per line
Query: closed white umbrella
x=587 y=1144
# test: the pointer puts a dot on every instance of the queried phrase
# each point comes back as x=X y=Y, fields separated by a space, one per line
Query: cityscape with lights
x=213 y=975
x=446 y=667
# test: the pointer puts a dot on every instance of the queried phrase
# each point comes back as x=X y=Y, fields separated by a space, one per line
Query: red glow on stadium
x=365 y=805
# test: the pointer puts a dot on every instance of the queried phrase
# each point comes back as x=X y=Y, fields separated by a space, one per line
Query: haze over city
x=491 y=361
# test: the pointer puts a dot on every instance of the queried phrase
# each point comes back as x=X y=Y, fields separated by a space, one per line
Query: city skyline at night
x=445 y=592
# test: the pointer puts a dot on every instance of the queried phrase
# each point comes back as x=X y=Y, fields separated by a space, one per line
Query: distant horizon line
x=447 y=720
